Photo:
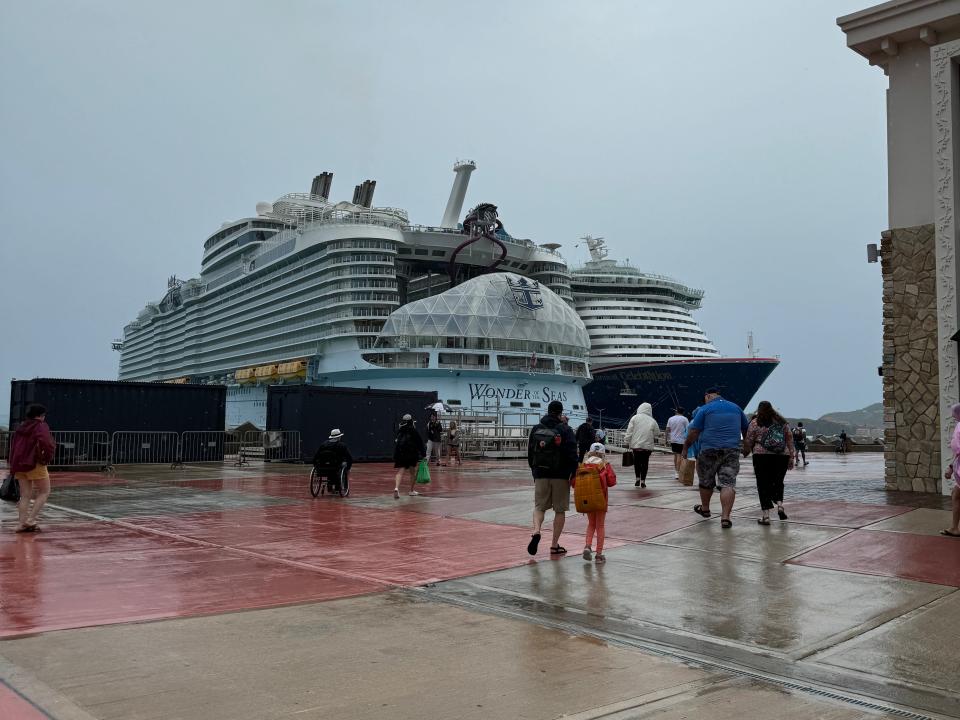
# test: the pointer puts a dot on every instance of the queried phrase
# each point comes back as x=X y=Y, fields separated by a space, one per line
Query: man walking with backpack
x=552 y=456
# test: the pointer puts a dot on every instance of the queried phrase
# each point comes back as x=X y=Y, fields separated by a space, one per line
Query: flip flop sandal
x=942 y=532
x=763 y=521
x=558 y=550
x=782 y=514
x=698 y=509
x=533 y=544
x=726 y=524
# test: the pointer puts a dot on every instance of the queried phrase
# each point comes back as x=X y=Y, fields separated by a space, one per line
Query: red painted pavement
x=14 y=707
x=914 y=557
x=93 y=573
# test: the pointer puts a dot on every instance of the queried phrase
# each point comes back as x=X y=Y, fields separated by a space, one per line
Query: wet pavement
x=219 y=592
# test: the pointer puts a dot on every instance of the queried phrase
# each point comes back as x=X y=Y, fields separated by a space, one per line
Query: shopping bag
x=687 y=469
x=628 y=458
x=10 y=489
x=423 y=473
x=588 y=489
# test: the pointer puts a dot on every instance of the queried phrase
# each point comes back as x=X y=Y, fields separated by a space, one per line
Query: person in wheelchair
x=332 y=456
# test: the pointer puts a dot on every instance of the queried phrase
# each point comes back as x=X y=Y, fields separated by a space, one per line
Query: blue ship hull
x=617 y=390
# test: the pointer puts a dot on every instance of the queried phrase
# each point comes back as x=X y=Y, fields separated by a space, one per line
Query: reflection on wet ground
x=853 y=592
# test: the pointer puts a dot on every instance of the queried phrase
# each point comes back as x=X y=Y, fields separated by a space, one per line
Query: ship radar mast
x=596 y=246
x=752 y=350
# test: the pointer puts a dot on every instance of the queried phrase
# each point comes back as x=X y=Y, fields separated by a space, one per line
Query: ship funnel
x=363 y=193
x=321 y=185
x=458 y=192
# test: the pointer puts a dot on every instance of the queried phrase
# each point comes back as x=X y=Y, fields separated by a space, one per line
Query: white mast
x=458 y=192
x=596 y=246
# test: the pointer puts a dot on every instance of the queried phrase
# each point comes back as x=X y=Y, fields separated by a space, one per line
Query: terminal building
x=916 y=44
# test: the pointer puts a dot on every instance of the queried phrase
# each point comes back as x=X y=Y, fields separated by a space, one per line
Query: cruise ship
x=348 y=294
x=645 y=345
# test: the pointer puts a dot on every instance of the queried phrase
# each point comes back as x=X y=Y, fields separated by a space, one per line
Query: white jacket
x=642 y=429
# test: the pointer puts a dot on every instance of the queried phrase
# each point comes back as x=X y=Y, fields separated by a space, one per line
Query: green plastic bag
x=423 y=473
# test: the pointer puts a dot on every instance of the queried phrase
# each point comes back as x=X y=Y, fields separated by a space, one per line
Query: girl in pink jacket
x=596 y=520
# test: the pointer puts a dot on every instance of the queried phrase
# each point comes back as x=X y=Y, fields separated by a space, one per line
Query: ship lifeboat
x=294 y=370
x=244 y=375
x=265 y=373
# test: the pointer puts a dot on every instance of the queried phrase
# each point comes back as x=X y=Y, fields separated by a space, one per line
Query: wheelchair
x=331 y=479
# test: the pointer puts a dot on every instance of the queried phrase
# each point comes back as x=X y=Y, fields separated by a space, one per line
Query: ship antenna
x=596 y=246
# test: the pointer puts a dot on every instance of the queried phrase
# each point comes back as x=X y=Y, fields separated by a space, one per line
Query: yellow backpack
x=588 y=489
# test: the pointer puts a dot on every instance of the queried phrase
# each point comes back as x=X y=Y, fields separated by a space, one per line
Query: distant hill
x=870 y=417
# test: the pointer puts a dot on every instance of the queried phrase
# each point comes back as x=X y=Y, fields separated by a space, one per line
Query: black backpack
x=548 y=459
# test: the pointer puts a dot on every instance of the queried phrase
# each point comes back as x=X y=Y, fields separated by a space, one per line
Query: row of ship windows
x=360 y=244
x=634 y=326
x=640 y=306
x=644 y=347
x=636 y=317
x=159 y=344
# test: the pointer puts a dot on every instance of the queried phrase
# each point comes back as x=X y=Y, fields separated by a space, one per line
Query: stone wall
x=911 y=397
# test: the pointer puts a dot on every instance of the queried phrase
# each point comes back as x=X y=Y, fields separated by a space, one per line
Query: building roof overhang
x=877 y=32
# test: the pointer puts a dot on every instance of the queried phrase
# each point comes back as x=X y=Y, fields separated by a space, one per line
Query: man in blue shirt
x=719 y=425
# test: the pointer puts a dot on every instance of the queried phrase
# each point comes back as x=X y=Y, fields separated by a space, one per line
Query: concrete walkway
x=263 y=602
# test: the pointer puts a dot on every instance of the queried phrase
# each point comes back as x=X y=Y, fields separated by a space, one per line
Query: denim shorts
x=718 y=467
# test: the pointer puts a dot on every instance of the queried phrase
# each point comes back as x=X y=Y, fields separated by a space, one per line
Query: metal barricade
x=281 y=446
x=82 y=448
x=208 y=446
x=134 y=447
x=251 y=447
x=270 y=446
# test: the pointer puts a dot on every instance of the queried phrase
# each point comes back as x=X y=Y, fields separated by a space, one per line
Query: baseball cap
x=597 y=447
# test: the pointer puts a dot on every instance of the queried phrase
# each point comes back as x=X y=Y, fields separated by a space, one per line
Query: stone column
x=911 y=386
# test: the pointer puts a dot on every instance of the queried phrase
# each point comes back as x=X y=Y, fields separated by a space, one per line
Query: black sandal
x=763 y=521
x=725 y=524
x=781 y=514
x=558 y=550
x=698 y=509
x=533 y=544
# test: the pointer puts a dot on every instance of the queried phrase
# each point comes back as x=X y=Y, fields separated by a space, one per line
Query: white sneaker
x=413 y=492
x=396 y=494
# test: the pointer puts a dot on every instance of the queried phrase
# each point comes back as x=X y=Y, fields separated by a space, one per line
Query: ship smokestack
x=321 y=185
x=363 y=193
x=458 y=192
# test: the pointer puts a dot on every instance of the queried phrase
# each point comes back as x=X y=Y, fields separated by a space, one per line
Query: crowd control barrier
x=145 y=448
x=209 y=446
x=82 y=448
x=270 y=446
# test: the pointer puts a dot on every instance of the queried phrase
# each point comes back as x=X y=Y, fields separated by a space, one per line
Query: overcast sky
x=738 y=146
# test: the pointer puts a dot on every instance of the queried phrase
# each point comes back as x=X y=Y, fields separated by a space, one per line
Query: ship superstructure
x=646 y=346
x=301 y=292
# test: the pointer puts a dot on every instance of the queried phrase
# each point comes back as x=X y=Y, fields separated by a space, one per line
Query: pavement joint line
x=825 y=652
x=38 y=694
x=806 y=685
x=647 y=700
x=817 y=545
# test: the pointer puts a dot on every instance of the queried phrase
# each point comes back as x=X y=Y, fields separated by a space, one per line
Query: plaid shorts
x=718 y=467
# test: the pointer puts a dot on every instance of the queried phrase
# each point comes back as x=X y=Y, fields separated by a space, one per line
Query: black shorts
x=676 y=448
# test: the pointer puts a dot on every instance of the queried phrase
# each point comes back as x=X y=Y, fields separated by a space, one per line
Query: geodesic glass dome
x=500 y=310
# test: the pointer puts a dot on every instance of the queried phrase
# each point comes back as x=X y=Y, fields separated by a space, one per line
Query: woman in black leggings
x=770 y=440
